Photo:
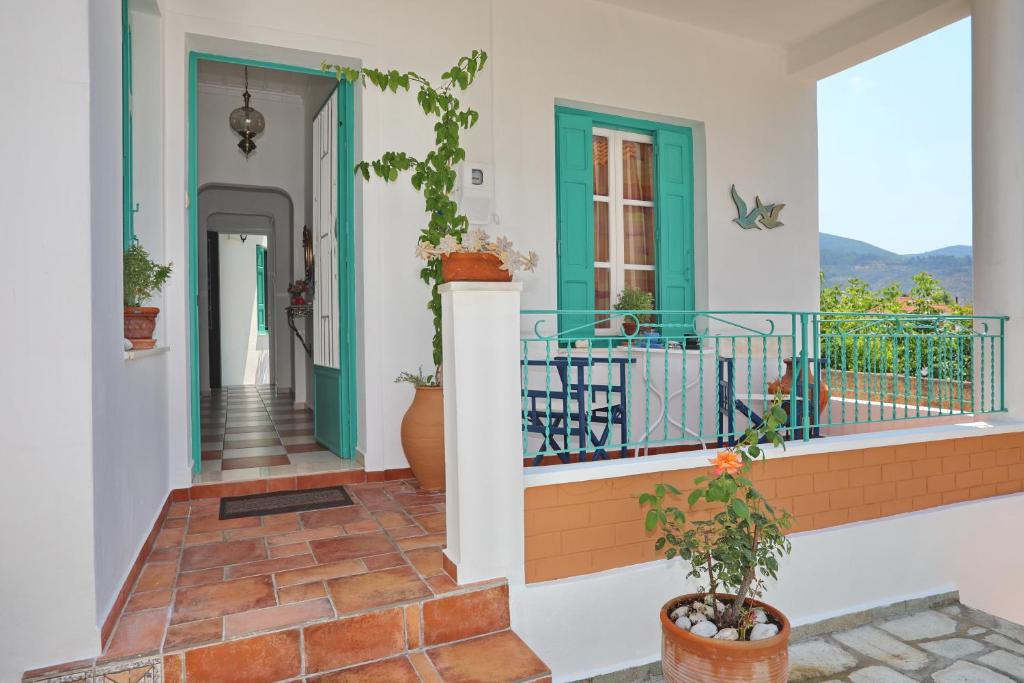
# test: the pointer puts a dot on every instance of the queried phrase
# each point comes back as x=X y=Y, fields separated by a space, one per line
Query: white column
x=997 y=34
x=482 y=430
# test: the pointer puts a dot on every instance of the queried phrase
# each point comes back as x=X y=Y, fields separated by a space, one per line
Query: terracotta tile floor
x=210 y=579
x=354 y=593
x=254 y=432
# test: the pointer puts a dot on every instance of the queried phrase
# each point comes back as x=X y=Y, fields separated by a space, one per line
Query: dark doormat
x=283 y=501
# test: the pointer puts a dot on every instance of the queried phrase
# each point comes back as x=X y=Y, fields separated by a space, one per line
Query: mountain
x=843 y=258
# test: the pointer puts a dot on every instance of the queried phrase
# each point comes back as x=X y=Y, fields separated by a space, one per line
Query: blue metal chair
x=577 y=405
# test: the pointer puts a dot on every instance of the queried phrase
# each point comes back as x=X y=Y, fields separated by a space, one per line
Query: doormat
x=283 y=501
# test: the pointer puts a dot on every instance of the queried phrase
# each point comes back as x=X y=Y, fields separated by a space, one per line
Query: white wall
x=244 y=353
x=541 y=53
x=47 y=415
x=129 y=398
x=830 y=572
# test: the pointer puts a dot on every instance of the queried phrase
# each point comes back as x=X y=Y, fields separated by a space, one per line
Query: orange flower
x=727 y=462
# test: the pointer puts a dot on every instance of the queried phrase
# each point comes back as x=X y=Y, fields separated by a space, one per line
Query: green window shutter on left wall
x=674 y=277
x=127 y=128
x=261 y=289
x=574 y=155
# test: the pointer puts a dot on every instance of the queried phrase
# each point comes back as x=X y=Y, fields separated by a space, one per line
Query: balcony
x=599 y=385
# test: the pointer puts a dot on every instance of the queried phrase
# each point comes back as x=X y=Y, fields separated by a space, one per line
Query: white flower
x=503 y=244
x=448 y=245
x=509 y=261
x=475 y=240
x=530 y=262
x=424 y=250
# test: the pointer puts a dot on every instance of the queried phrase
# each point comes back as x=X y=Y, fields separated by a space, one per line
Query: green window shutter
x=673 y=155
x=127 y=162
x=574 y=154
x=261 y=289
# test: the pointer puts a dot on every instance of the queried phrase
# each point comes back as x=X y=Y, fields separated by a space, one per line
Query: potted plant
x=476 y=258
x=630 y=301
x=422 y=432
x=433 y=176
x=142 y=279
x=723 y=632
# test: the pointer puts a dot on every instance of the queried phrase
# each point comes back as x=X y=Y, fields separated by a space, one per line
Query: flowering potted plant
x=142 y=279
x=723 y=632
x=298 y=290
x=475 y=257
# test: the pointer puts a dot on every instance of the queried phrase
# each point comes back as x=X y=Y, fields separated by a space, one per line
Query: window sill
x=146 y=353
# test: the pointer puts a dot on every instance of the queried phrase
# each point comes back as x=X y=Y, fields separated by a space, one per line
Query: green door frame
x=347 y=405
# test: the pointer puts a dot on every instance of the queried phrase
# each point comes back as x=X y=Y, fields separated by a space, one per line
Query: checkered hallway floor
x=254 y=432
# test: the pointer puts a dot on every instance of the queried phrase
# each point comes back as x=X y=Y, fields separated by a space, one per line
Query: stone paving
x=939 y=644
x=951 y=644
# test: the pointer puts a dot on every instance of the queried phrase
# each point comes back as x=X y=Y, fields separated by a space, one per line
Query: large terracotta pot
x=784 y=385
x=423 y=437
x=139 y=323
x=686 y=658
x=473 y=266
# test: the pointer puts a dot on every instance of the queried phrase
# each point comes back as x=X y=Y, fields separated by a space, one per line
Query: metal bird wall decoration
x=765 y=214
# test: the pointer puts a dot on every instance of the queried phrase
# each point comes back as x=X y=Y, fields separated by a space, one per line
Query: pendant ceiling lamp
x=247 y=122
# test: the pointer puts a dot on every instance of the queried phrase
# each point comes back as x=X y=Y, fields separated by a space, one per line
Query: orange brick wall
x=590 y=526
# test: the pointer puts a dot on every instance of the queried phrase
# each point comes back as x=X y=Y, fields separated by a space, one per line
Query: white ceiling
x=226 y=74
x=774 y=22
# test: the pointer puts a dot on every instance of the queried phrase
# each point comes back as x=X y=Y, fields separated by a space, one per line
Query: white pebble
x=684 y=623
x=696 y=617
x=705 y=629
x=760 y=617
x=679 y=612
x=727 y=634
x=720 y=606
x=763 y=631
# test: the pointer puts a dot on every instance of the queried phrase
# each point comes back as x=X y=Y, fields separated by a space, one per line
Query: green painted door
x=330 y=340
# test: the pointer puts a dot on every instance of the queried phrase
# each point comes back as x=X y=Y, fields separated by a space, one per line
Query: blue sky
x=894 y=146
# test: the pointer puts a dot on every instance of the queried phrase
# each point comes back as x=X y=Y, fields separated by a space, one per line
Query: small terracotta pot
x=784 y=384
x=139 y=323
x=423 y=437
x=686 y=658
x=473 y=266
x=629 y=326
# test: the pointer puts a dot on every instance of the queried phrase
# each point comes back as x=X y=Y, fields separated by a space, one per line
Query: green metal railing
x=607 y=384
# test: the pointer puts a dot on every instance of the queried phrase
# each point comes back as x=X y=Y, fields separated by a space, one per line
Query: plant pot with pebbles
x=724 y=634
x=695 y=650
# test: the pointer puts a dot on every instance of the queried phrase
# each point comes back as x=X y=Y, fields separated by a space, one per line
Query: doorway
x=265 y=394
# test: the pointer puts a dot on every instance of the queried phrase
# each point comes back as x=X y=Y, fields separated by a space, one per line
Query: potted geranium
x=631 y=300
x=723 y=632
x=142 y=279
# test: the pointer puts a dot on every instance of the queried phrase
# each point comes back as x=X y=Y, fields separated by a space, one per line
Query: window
x=625 y=215
x=262 y=326
x=127 y=164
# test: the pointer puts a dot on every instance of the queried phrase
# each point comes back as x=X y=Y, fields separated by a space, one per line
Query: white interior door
x=325 y=236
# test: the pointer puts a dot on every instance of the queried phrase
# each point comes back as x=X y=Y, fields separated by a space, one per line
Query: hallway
x=252 y=432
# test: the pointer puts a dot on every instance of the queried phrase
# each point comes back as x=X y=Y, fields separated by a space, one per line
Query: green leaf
x=695 y=496
x=672 y=489
x=651 y=520
x=740 y=508
x=660 y=543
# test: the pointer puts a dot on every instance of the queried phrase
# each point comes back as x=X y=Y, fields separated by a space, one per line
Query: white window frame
x=616 y=220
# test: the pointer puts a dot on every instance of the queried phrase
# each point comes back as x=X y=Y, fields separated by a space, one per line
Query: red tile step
x=462 y=636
